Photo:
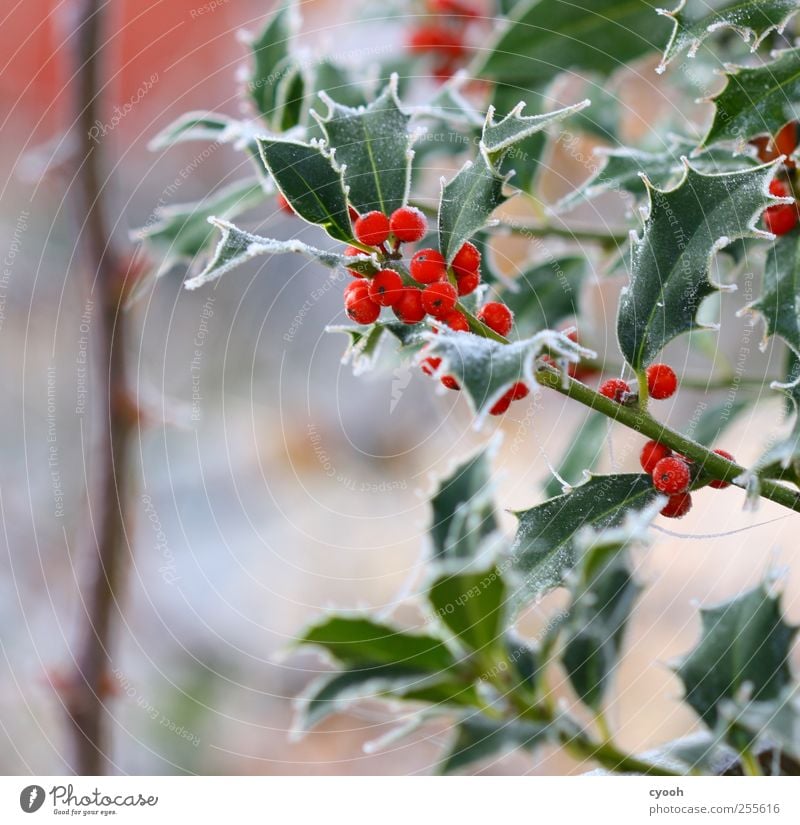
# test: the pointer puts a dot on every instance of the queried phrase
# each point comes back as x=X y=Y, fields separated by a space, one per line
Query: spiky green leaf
x=312 y=183
x=236 y=247
x=544 y=548
x=182 y=231
x=479 y=738
x=744 y=643
x=695 y=20
x=462 y=510
x=360 y=642
x=775 y=720
x=373 y=145
x=470 y=197
x=757 y=101
x=486 y=369
x=669 y=278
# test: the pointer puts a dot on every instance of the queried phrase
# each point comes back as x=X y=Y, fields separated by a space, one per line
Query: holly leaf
x=360 y=642
x=472 y=605
x=236 y=247
x=544 y=295
x=544 y=547
x=373 y=146
x=744 y=644
x=776 y=720
x=291 y=101
x=463 y=497
x=602 y=595
x=669 y=278
x=623 y=169
x=311 y=181
x=334 y=79
x=544 y=38
x=208 y=126
x=479 y=738
x=486 y=369
x=271 y=60
x=756 y=101
x=582 y=455
x=181 y=232
x=365 y=341
x=470 y=197
x=779 y=303
x=694 y=20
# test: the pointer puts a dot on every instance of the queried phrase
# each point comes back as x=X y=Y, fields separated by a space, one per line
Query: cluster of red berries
x=661 y=383
x=433 y=290
x=673 y=475
x=445 y=37
x=784 y=217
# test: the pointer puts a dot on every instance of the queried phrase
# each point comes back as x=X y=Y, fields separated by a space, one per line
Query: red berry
x=355 y=290
x=372 y=228
x=615 y=388
x=468 y=282
x=677 y=506
x=514 y=393
x=781 y=219
x=456 y=320
x=453 y=7
x=427 y=266
x=386 y=288
x=408 y=308
x=351 y=252
x=439 y=299
x=721 y=485
x=467 y=260
x=430 y=364
x=450 y=382
x=671 y=475
x=497 y=316
x=283 y=204
x=651 y=454
x=361 y=308
x=661 y=381
x=778 y=188
x=408 y=224
x=436 y=39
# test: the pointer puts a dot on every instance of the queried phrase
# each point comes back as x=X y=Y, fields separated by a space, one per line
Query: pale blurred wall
x=263 y=522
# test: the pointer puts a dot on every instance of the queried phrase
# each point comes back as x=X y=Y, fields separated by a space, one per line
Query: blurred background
x=271 y=485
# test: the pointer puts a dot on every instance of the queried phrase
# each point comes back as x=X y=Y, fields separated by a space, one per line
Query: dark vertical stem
x=108 y=471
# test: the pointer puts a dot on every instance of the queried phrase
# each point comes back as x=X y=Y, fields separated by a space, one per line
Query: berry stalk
x=713 y=464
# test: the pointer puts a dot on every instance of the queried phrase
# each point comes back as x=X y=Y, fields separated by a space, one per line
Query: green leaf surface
x=544 y=295
x=472 y=604
x=602 y=596
x=669 y=278
x=544 y=38
x=485 y=369
x=544 y=548
x=470 y=197
x=583 y=453
x=757 y=101
x=623 y=168
x=362 y=643
x=182 y=231
x=373 y=146
x=462 y=510
x=365 y=342
x=479 y=738
x=695 y=20
x=776 y=720
x=744 y=643
x=779 y=302
x=291 y=104
x=236 y=247
x=270 y=53
x=312 y=183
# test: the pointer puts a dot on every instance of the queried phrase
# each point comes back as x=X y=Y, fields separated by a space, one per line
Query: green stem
x=750 y=765
x=583 y=235
x=712 y=464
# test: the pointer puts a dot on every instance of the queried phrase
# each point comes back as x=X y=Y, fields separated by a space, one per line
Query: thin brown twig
x=89 y=687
